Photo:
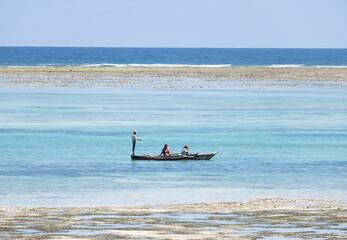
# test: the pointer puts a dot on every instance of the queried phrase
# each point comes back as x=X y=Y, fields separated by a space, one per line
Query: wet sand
x=176 y=78
x=258 y=219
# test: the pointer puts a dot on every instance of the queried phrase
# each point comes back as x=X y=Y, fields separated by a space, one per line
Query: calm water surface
x=134 y=57
x=64 y=147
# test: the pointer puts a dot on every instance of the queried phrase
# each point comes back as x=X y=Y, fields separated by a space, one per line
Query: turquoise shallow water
x=59 y=146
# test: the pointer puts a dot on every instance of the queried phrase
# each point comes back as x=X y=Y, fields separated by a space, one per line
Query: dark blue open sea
x=71 y=147
x=223 y=57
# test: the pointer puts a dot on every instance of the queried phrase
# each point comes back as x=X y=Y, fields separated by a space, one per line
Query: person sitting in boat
x=165 y=151
x=185 y=151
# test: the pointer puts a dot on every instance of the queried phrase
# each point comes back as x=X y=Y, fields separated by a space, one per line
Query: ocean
x=71 y=146
x=175 y=57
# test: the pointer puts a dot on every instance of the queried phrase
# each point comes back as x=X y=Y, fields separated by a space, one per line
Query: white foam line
x=331 y=66
x=285 y=65
x=168 y=65
x=152 y=65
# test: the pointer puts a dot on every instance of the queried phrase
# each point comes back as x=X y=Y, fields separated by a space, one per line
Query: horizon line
x=182 y=47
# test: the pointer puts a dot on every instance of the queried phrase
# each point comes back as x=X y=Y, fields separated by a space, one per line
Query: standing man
x=135 y=139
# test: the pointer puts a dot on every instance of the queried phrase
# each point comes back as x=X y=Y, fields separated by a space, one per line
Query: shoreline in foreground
x=263 y=218
x=174 y=77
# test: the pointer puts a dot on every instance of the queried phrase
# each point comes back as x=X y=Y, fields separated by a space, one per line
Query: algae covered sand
x=258 y=219
x=174 y=77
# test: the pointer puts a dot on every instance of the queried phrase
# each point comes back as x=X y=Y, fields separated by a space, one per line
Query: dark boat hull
x=175 y=157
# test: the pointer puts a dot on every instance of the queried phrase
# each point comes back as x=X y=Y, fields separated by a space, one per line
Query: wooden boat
x=174 y=157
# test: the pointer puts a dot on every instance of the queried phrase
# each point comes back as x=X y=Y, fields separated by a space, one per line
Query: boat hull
x=175 y=157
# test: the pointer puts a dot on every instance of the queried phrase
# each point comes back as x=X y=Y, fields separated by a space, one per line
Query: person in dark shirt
x=165 y=151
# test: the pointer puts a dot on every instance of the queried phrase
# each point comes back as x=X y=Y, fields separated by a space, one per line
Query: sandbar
x=257 y=219
x=174 y=77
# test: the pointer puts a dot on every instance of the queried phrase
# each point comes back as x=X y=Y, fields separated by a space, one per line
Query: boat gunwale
x=193 y=157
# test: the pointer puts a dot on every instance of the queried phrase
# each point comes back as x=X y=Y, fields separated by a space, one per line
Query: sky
x=175 y=23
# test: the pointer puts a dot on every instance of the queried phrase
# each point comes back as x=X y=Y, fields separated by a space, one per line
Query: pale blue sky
x=176 y=23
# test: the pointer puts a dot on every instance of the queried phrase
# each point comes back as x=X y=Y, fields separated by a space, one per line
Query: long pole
x=123 y=150
x=127 y=147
